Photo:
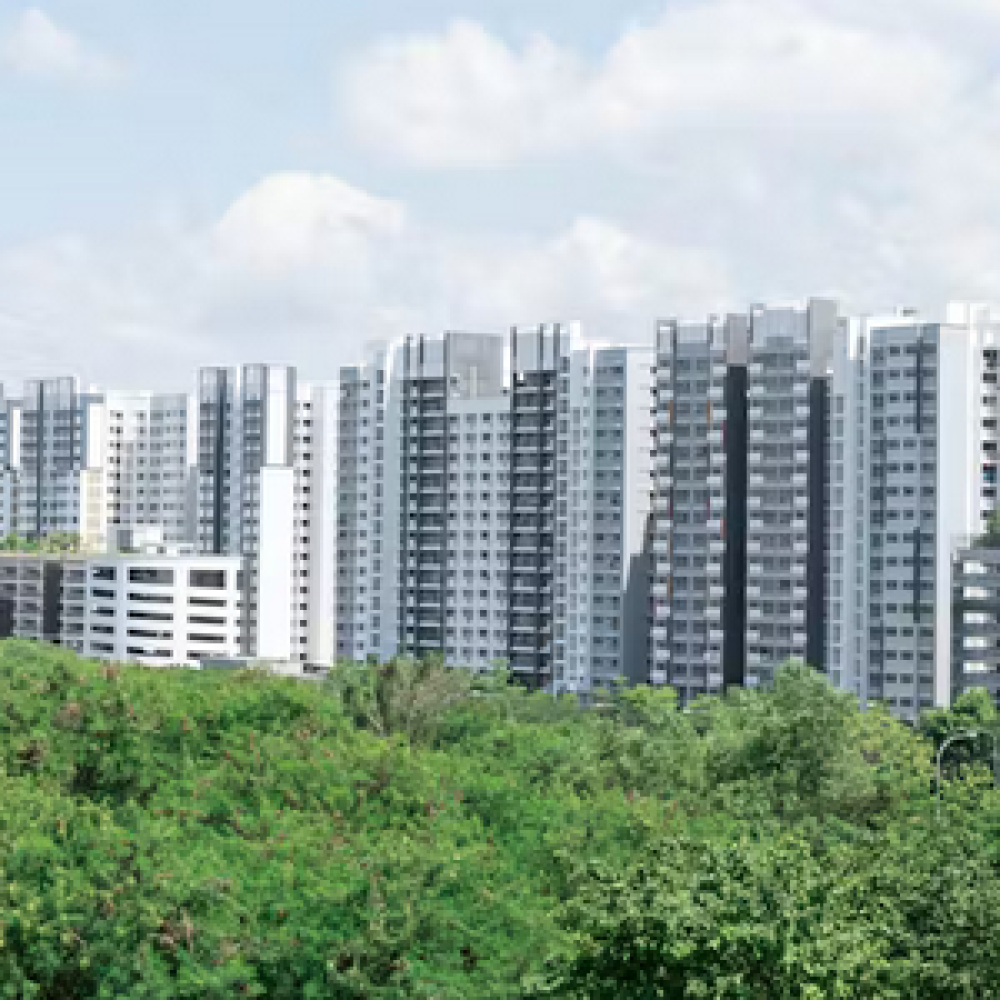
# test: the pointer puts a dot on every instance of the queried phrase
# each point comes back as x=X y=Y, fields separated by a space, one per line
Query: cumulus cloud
x=837 y=146
x=465 y=97
x=304 y=268
x=37 y=48
x=468 y=98
x=745 y=150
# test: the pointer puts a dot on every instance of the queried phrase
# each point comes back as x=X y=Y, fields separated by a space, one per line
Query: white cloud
x=467 y=98
x=761 y=150
x=292 y=222
x=464 y=97
x=801 y=145
x=37 y=48
x=305 y=268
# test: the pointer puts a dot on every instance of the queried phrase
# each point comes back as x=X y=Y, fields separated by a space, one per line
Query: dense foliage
x=415 y=832
x=55 y=543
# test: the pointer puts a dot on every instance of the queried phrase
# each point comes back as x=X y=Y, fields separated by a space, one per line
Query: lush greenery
x=413 y=832
x=54 y=543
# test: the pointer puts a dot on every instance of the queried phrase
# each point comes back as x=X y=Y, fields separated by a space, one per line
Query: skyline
x=222 y=180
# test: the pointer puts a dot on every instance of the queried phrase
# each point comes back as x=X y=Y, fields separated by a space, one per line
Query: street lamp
x=966 y=734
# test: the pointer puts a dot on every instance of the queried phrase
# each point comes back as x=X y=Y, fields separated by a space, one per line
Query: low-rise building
x=144 y=602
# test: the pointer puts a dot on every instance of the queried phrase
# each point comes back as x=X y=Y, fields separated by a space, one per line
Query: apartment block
x=10 y=459
x=31 y=596
x=86 y=462
x=914 y=467
x=59 y=470
x=266 y=479
x=790 y=361
x=368 y=512
x=453 y=498
x=150 y=444
x=459 y=502
x=314 y=559
x=539 y=404
x=697 y=618
x=976 y=619
x=604 y=505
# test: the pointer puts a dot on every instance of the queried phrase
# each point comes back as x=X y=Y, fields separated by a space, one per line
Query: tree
x=991 y=537
x=972 y=712
x=774 y=916
x=402 y=697
x=409 y=830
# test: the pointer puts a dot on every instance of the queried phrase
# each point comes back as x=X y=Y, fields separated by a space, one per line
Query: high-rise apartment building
x=266 y=480
x=85 y=462
x=449 y=389
x=368 y=495
x=788 y=386
x=976 y=618
x=10 y=458
x=473 y=471
x=698 y=537
x=150 y=445
x=740 y=504
x=59 y=468
x=604 y=465
x=314 y=559
x=914 y=470
x=539 y=401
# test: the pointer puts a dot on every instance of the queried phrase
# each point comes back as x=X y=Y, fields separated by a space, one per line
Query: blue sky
x=225 y=180
x=218 y=94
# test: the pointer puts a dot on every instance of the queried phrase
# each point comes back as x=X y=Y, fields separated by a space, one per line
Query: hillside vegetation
x=415 y=832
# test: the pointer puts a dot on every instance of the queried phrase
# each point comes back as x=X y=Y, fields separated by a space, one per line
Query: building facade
x=698 y=535
x=156 y=604
x=59 y=469
x=473 y=469
x=266 y=479
x=739 y=527
x=790 y=361
x=976 y=619
x=914 y=450
x=150 y=446
x=604 y=473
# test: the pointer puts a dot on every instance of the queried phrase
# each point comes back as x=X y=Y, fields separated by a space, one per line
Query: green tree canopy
x=411 y=831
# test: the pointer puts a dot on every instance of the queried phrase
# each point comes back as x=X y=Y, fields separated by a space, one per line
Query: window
x=206 y=602
x=147 y=574
x=207 y=579
x=151 y=598
x=151 y=616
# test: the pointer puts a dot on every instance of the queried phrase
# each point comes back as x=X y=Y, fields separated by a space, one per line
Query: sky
x=226 y=181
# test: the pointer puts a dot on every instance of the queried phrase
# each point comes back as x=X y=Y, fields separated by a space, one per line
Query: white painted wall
x=272 y=568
